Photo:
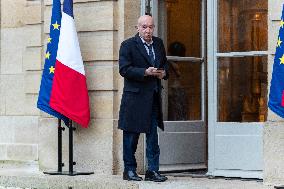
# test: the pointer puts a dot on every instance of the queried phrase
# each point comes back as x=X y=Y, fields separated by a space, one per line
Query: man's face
x=146 y=27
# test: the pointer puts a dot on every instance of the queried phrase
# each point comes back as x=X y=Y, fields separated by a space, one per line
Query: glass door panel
x=183 y=40
x=242 y=77
x=183 y=26
x=184 y=91
x=242 y=25
x=242 y=89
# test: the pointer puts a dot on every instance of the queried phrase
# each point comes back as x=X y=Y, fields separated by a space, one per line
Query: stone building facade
x=28 y=137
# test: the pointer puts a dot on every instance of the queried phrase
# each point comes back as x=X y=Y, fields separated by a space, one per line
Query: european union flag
x=49 y=66
x=276 y=96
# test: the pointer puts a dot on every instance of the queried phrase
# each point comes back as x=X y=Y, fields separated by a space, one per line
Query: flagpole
x=59 y=151
x=60 y=129
x=71 y=171
x=279 y=187
x=71 y=162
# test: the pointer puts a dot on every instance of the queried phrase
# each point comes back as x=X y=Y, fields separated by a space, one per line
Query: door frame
x=203 y=119
x=213 y=124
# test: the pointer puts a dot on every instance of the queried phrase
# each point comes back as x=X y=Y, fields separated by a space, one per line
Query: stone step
x=18 y=152
x=14 y=168
x=41 y=181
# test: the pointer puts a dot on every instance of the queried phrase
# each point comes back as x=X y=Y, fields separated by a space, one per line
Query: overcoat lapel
x=157 y=53
x=142 y=49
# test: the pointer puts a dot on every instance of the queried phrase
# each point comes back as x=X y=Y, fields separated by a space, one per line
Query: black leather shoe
x=154 y=176
x=131 y=175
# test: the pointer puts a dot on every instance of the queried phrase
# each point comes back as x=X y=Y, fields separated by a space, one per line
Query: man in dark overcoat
x=142 y=63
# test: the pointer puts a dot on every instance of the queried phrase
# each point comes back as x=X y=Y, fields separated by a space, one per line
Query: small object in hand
x=160 y=70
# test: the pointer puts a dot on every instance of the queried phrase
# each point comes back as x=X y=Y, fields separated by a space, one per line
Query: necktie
x=151 y=54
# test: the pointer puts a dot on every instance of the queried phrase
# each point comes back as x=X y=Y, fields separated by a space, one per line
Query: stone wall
x=21 y=45
x=274 y=127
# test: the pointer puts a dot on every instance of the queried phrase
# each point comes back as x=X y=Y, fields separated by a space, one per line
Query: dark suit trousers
x=130 y=141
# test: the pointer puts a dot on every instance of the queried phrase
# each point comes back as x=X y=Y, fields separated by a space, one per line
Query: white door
x=237 y=86
x=181 y=26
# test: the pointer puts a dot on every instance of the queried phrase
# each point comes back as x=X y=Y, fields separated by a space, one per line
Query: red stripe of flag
x=69 y=94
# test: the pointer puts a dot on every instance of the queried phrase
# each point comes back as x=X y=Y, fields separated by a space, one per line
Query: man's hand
x=151 y=71
x=162 y=74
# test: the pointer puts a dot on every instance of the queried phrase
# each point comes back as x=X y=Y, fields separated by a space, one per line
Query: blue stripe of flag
x=68 y=7
x=47 y=77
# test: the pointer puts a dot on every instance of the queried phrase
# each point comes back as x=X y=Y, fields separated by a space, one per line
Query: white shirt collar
x=144 y=42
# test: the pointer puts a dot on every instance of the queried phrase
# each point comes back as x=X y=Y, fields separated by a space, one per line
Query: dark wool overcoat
x=137 y=98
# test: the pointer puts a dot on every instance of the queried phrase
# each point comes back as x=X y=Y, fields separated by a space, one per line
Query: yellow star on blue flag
x=51 y=69
x=47 y=55
x=282 y=59
x=56 y=26
x=49 y=40
x=279 y=42
x=281 y=23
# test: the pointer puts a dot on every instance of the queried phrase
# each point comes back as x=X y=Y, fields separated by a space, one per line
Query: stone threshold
x=41 y=181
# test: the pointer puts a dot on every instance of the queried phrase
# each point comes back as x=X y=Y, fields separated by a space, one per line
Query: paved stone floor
x=15 y=179
x=2 y=187
x=115 y=182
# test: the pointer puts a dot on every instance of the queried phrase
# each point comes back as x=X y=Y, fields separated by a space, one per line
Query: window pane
x=184 y=91
x=184 y=26
x=242 y=25
x=242 y=89
x=148 y=7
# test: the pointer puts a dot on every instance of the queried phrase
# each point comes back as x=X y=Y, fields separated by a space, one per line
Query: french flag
x=69 y=93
